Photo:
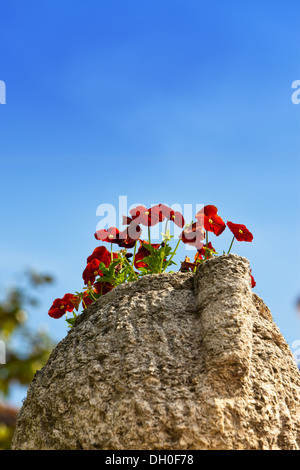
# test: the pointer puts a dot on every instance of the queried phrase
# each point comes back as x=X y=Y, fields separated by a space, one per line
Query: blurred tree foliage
x=25 y=350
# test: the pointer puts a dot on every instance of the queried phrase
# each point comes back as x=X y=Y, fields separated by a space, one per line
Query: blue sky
x=162 y=101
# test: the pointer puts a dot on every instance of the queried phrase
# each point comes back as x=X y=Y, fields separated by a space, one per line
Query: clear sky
x=180 y=101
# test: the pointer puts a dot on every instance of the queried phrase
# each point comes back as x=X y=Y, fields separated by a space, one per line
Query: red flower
x=144 y=216
x=162 y=211
x=210 y=248
x=156 y=213
x=130 y=235
x=91 y=271
x=126 y=220
x=212 y=222
x=103 y=287
x=86 y=300
x=240 y=232
x=177 y=218
x=124 y=239
x=174 y=216
x=193 y=235
x=61 y=306
x=101 y=254
x=142 y=253
x=253 y=283
x=110 y=235
x=198 y=256
x=186 y=265
x=98 y=288
x=150 y=217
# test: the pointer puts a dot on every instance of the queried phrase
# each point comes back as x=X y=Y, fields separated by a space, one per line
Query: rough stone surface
x=172 y=361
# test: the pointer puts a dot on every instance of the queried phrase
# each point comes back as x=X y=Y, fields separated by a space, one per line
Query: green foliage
x=26 y=350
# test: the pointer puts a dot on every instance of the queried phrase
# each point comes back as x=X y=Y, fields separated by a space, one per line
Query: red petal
x=246 y=236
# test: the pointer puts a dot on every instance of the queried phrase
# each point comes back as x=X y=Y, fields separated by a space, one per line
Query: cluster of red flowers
x=140 y=215
x=70 y=301
x=101 y=260
x=62 y=306
x=208 y=220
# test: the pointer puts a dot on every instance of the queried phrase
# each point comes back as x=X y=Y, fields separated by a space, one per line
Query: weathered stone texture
x=172 y=361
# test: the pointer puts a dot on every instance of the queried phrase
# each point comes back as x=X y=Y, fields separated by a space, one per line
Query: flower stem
x=149 y=238
x=206 y=243
x=162 y=259
x=133 y=258
x=93 y=297
x=166 y=225
x=111 y=253
x=230 y=246
x=172 y=255
x=130 y=267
